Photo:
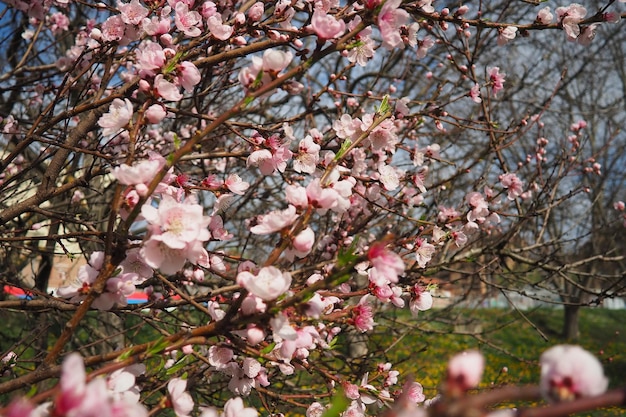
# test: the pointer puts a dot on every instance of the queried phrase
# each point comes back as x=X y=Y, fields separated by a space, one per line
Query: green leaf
x=333 y=343
x=172 y=63
x=247 y=101
x=157 y=347
x=177 y=141
x=308 y=296
x=348 y=256
x=258 y=81
x=32 y=391
x=267 y=349
x=355 y=44
x=125 y=355
x=344 y=148
x=338 y=405
x=384 y=106
x=177 y=366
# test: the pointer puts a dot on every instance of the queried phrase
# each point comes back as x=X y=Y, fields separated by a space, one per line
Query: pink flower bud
x=465 y=371
x=255 y=13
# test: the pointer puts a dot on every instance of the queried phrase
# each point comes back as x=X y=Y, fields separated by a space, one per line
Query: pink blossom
x=426 y=5
x=149 y=57
x=220 y=356
x=121 y=383
x=513 y=184
x=141 y=172
x=619 y=205
x=296 y=195
x=422 y=300
x=208 y=9
x=475 y=94
x=447 y=215
x=461 y=11
x=72 y=384
x=188 y=75
x=326 y=26
x=569 y=372
x=384 y=137
x=282 y=329
x=351 y=390
x=132 y=13
x=569 y=18
x=113 y=29
x=388 y=177
x=316 y=409
x=496 y=79
x=321 y=197
x=465 y=371
x=579 y=125
x=218 y=29
x=19 y=407
x=156 y=26
x=414 y=391
x=361 y=51
x=135 y=264
x=79 y=398
x=612 y=17
x=168 y=260
x=274 y=221
x=423 y=46
x=255 y=12
x=274 y=61
x=505 y=35
x=9 y=358
x=480 y=207
x=544 y=16
x=363 y=316
x=177 y=224
x=345 y=126
x=120 y=113
x=264 y=159
x=386 y=263
x=390 y=19
x=269 y=284
x=270 y=160
x=167 y=90
x=303 y=242
x=587 y=34
x=254 y=335
x=236 y=185
x=235 y=408
x=308 y=156
x=155 y=113
x=11 y=126
x=424 y=253
x=187 y=21
x=58 y=23
x=180 y=398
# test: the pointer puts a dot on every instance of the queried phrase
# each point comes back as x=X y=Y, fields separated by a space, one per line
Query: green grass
x=418 y=347
x=511 y=344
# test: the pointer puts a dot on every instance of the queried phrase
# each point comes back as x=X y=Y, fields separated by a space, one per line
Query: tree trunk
x=570 y=322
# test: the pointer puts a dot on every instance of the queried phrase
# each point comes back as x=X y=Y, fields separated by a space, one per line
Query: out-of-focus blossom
x=569 y=372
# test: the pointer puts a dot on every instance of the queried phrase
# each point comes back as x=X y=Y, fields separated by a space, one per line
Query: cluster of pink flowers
x=344 y=170
x=133 y=272
x=270 y=154
x=177 y=231
x=264 y=69
x=116 y=395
